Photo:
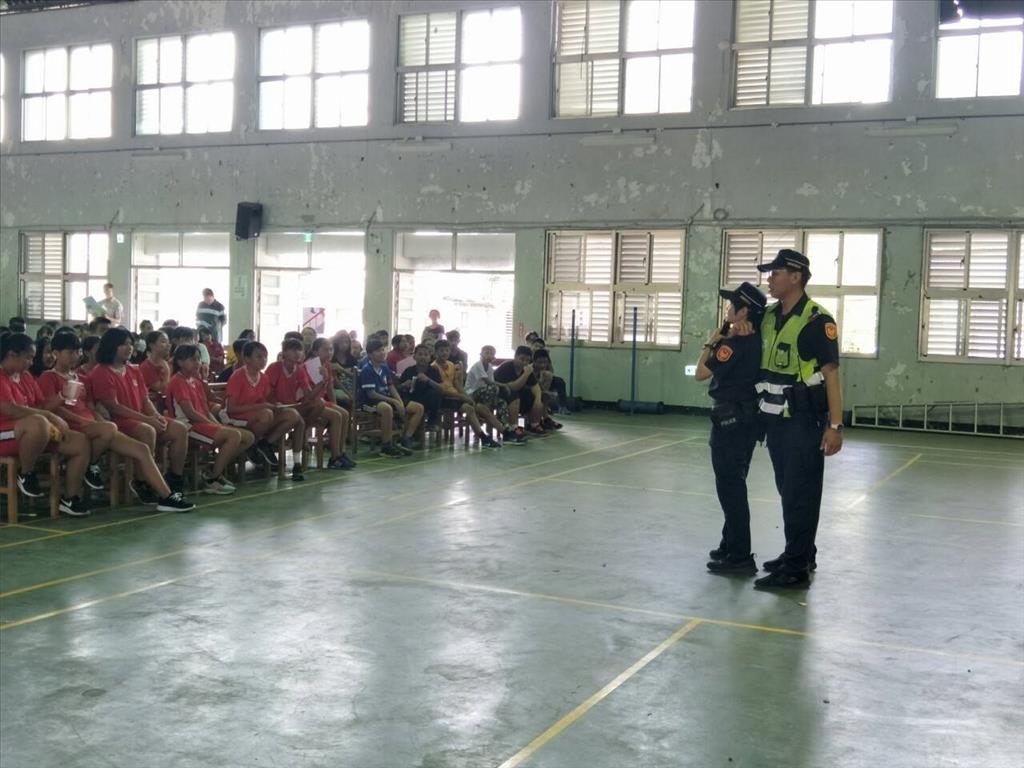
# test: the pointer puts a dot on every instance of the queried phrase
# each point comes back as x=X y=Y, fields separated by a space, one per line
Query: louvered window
x=980 y=57
x=184 y=84
x=314 y=75
x=624 y=58
x=466 y=63
x=791 y=52
x=604 y=275
x=845 y=270
x=59 y=270
x=973 y=287
x=67 y=93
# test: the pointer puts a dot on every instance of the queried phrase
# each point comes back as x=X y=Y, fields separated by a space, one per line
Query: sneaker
x=74 y=506
x=718 y=553
x=175 y=482
x=784 y=579
x=773 y=565
x=140 y=490
x=340 y=462
x=391 y=451
x=549 y=423
x=486 y=441
x=266 y=452
x=537 y=431
x=28 y=484
x=176 y=502
x=297 y=475
x=729 y=566
x=512 y=438
x=347 y=462
x=93 y=477
x=217 y=485
x=405 y=446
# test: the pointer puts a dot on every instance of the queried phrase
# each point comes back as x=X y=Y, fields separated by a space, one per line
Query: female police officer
x=732 y=360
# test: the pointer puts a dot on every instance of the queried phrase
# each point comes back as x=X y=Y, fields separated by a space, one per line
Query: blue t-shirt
x=379 y=381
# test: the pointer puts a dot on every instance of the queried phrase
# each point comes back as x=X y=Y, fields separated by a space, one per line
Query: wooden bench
x=9 y=487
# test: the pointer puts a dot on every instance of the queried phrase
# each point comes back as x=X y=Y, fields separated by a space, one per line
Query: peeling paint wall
x=774 y=167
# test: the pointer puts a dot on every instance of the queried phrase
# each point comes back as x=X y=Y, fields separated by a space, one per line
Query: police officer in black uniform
x=732 y=360
x=801 y=408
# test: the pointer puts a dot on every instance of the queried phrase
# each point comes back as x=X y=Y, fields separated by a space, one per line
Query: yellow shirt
x=448 y=374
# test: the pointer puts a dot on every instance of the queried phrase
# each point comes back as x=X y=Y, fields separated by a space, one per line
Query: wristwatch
x=837 y=427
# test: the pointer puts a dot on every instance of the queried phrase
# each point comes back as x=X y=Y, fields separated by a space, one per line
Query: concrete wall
x=766 y=167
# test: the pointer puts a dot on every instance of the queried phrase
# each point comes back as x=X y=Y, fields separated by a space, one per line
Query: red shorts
x=203 y=433
x=128 y=426
x=9 y=446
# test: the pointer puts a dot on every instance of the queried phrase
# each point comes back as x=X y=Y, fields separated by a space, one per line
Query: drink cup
x=72 y=389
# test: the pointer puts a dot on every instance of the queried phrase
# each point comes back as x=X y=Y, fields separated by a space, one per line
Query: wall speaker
x=248 y=220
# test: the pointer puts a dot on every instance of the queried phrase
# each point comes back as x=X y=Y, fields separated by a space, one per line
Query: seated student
x=90 y=346
x=99 y=326
x=183 y=334
x=524 y=392
x=187 y=403
x=234 y=357
x=457 y=355
x=16 y=324
x=421 y=383
x=308 y=336
x=490 y=397
x=557 y=385
x=118 y=386
x=68 y=397
x=381 y=397
x=155 y=369
x=455 y=396
x=344 y=367
x=145 y=327
x=236 y=352
x=43 y=359
x=545 y=378
x=399 y=352
x=246 y=405
x=214 y=349
x=290 y=385
x=27 y=430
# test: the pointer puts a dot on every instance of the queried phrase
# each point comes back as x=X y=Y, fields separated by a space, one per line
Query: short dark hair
x=108 y=285
x=542 y=354
x=454 y=336
x=153 y=337
x=15 y=344
x=207 y=292
x=397 y=340
x=522 y=349
x=373 y=345
x=252 y=346
x=246 y=332
x=238 y=345
x=109 y=342
x=441 y=344
x=204 y=329
x=184 y=352
x=89 y=342
x=98 y=321
x=538 y=340
x=293 y=335
x=424 y=347
x=289 y=344
x=181 y=332
x=63 y=340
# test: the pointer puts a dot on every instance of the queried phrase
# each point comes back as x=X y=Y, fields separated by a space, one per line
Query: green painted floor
x=544 y=606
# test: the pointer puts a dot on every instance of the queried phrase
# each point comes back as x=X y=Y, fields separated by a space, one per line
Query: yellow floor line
x=879 y=483
x=658 y=490
x=673 y=616
x=335 y=477
x=968 y=520
x=590 y=702
x=299 y=521
x=1016 y=467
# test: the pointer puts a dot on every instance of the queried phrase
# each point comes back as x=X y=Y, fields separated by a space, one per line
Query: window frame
x=838 y=292
x=808 y=43
x=65 y=276
x=1012 y=294
x=976 y=32
x=68 y=92
x=621 y=55
x=619 y=334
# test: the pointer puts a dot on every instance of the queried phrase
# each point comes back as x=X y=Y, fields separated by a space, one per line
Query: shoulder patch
x=723 y=354
x=831 y=331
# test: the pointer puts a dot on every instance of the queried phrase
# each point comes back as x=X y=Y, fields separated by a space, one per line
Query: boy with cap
x=732 y=360
x=800 y=400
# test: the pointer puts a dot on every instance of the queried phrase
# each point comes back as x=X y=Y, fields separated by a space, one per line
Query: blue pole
x=632 y=383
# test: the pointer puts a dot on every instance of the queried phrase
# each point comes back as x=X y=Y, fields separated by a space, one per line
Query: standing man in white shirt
x=112 y=307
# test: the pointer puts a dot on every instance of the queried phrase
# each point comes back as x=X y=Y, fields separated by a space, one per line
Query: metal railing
x=960 y=418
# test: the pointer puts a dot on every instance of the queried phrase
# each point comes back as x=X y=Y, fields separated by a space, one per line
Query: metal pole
x=572 y=360
x=632 y=383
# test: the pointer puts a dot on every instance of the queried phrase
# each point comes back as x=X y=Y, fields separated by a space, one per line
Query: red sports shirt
x=185 y=390
x=240 y=392
x=151 y=373
x=24 y=392
x=127 y=388
x=288 y=388
x=52 y=383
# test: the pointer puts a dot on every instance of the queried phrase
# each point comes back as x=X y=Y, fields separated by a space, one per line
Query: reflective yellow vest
x=781 y=365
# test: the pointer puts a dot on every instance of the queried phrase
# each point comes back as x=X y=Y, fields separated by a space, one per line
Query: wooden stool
x=9 y=487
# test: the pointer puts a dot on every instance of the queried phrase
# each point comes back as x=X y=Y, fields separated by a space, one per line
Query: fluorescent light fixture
x=912 y=130
x=617 y=140
x=419 y=145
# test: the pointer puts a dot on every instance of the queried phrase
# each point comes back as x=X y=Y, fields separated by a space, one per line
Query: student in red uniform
x=26 y=430
x=187 y=403
x=68 y=397
x=246 y=405
x=118 y=387
x=156 y=369
x=291 y=385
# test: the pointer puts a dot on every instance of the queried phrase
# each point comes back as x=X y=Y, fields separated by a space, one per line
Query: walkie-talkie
x=724 y=330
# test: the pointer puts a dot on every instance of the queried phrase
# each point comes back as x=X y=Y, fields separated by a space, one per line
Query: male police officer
x=801 y=404
x=733 y=363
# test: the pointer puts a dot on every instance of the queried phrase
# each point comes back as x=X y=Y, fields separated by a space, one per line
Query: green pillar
x=242 y=299
x=378 y=302
x=119 y=272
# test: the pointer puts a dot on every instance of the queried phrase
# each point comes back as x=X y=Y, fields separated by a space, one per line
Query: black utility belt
x=725 y=414
x=806 y=400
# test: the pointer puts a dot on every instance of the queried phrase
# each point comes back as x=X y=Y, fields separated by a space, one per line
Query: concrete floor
x=545 y=606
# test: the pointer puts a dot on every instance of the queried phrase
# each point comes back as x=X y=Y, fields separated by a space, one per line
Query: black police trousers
x=731 y=450
x=794 y=445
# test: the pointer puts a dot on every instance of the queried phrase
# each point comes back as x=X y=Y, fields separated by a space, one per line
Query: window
x=467 y=276
x=845 y=270
x=654 y=55
x=59 y=270
x=66 y=93
x=979 y=57
x=185 y=84
x=315 y=75
x=603 y=276
x=973 y=281
x=848 y=44
x=171 y=269
x=488 y=46
x=305 y=277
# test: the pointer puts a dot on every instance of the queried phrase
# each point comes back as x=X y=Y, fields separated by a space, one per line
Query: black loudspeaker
x=248 y=220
